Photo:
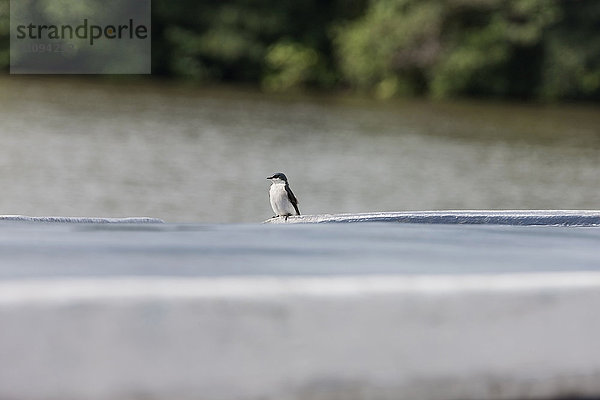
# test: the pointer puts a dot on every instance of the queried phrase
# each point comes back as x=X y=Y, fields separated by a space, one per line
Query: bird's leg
x=286 y=217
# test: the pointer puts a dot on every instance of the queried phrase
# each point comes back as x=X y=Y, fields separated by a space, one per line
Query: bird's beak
x=270 y=177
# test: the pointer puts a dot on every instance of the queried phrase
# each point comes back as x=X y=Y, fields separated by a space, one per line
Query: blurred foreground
x=58 y=250
x=303 y=312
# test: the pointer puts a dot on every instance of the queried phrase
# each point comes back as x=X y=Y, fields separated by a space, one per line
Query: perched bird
x=283 y=201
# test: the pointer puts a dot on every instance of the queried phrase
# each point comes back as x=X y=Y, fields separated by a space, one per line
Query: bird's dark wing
x=292 y=198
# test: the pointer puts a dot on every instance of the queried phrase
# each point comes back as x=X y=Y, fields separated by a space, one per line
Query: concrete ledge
x=520 y=336
x=82 y=220
x=497 y=217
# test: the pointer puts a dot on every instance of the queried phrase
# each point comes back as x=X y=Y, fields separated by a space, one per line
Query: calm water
x=81 y=148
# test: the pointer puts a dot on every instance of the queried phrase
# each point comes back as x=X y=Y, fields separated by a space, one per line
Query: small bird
x=283 y=201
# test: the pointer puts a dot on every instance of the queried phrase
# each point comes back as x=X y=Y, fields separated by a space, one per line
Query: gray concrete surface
x=386 y=337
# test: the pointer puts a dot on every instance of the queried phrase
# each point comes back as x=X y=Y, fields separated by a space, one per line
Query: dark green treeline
x=524 y=49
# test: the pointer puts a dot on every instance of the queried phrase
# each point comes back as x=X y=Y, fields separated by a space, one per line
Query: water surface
x=92 y=148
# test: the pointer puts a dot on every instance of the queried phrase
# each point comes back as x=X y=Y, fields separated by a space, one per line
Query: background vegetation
x=526 y=49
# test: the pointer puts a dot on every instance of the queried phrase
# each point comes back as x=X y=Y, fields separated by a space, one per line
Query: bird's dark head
x=278 y=176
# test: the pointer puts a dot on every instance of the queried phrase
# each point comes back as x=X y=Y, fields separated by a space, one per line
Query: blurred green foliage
x=291 y=65
x=526 y=49
x=504 y=48
x=4 y=34
x=280 y=45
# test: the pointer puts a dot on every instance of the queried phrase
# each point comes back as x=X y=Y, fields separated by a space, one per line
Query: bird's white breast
x=279 y=200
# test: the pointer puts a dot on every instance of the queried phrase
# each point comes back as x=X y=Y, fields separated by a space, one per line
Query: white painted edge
x=72 y=289
x=498 y=217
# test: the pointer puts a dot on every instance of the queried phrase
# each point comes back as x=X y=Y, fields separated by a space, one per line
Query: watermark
x=80 y=37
